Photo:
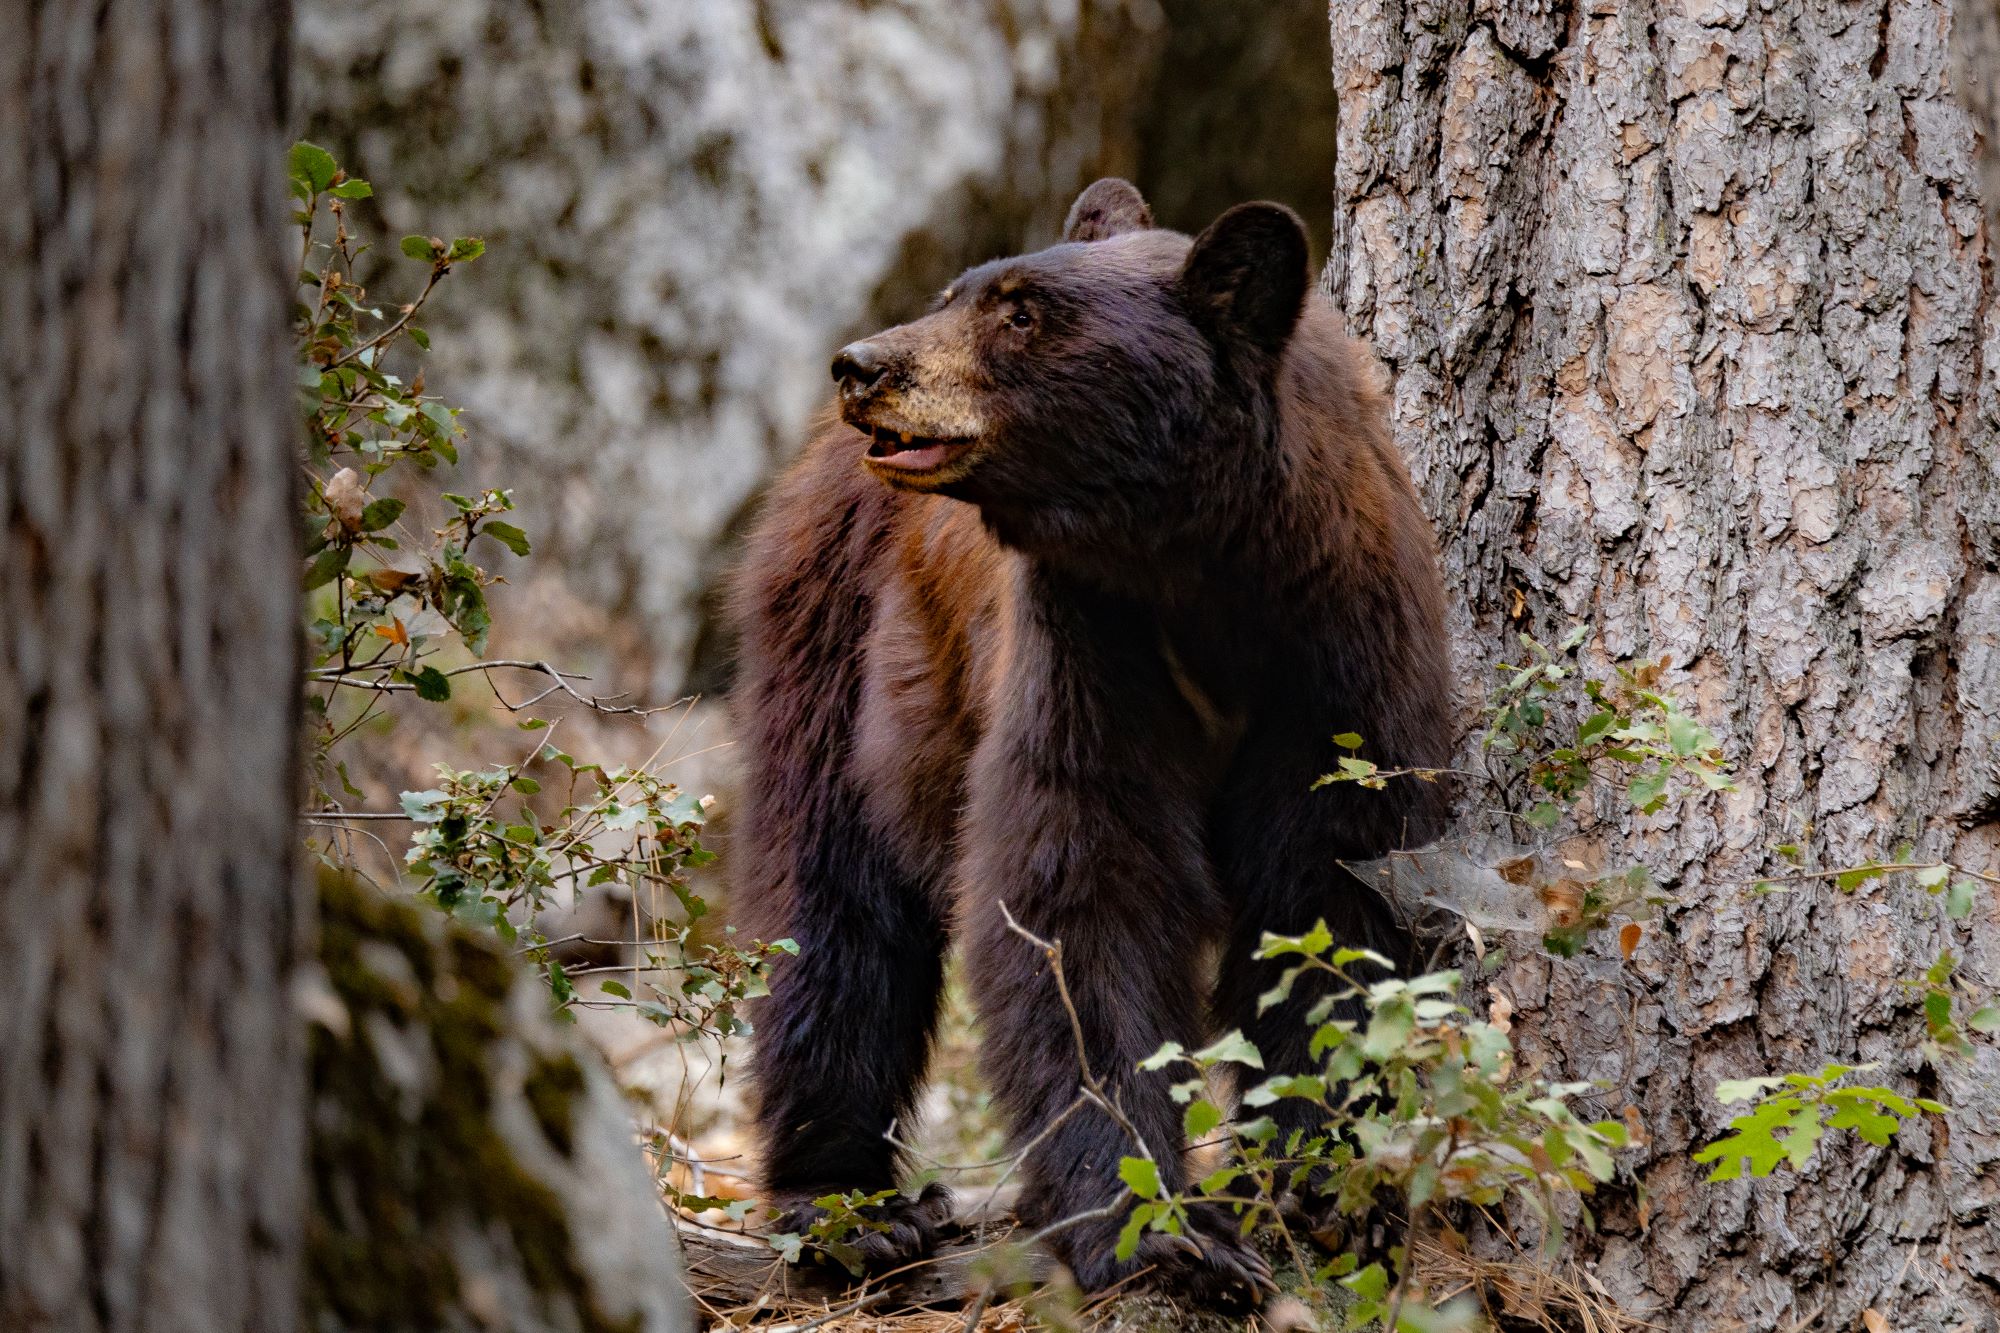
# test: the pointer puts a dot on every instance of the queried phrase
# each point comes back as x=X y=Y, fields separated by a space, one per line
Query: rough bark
x=1692 y=315
x=152 y=1084
x=1975 y=47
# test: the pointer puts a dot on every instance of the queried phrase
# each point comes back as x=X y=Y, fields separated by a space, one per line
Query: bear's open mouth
x=904 y=451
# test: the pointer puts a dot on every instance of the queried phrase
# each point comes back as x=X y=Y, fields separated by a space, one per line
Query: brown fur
x=1089 y=665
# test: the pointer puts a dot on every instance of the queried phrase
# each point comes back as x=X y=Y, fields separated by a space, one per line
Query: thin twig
x=986 y=1207
x=386 y=336
x=1093 y=1087
x=1403 y=1277
x=855 y=1306
x=345 y=677
x=351 y=814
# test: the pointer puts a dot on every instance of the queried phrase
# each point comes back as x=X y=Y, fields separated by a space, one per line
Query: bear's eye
x=1020 y=317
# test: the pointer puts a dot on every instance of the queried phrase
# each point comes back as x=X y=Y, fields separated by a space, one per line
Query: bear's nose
x=858 y=365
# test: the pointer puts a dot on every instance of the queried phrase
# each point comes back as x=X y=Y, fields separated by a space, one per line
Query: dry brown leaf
x=1564 y=899
x=394 y=633
x=1628 y=938
x=1501 y=1013
x=1635 y=1133
x=345 y=498
x=391 y=580
x=1519 y=870
x=1876 y=1323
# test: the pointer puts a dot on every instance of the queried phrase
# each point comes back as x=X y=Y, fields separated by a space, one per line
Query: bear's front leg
x=1084 y=821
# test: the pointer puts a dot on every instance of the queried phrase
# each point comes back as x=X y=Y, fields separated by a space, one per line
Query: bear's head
x=1084 y=395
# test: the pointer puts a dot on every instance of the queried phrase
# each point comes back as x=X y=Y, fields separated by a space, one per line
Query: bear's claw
x=1211 y=1266
x=915 y=1225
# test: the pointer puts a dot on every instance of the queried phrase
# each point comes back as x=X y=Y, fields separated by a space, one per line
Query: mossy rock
x=472 y=1165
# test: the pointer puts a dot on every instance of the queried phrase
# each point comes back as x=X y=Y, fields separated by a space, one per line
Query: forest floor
x=738 y=1281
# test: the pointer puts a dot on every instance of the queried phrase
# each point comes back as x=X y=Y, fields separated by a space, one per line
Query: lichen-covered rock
x=472 y=1165
x=688 y=205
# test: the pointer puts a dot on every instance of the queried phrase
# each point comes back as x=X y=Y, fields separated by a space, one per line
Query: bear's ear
x=1109 y=208
x=1246 y=278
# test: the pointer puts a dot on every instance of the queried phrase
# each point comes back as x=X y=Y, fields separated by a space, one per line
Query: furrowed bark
x=152 y=1086
x=1691 y=309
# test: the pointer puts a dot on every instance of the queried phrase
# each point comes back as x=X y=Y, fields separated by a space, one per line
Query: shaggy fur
x=1063 y=615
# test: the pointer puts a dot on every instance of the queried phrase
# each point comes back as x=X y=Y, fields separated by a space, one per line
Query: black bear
x=1062 y=614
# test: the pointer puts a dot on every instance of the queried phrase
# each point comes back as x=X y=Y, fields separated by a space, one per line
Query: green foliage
x=842 y=1218
x=1636 y=735
x=1639 y=744
x=1417 y=1097
x=1955 y=1009
x=1366 y=773
x=1375 y=1304
x=1790 y=1112
x=401 y=612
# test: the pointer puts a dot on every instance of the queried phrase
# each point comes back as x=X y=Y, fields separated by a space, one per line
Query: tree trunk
x=152 y=1084
x=1692 y=317
x=1975 y=42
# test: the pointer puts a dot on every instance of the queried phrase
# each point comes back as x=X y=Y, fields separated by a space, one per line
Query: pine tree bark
x=1691 y=310
x=152 y=1075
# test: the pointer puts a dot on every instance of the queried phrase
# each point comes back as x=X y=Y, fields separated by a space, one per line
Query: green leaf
x=1231 y=1045
x=1849 y=880
x=381 y=513
x=507 y=535
x=416 y=247
x=1220 y=1179
x=1744 y=1089
x=1140 y=1175
x=1390 y=1029
x=1594 y=726
x=465 y=249
x=1128 y=1239
x=425 y=807
x=1685 y=735
x=616 y=988
x=352 y=188
x=1937 y=1010
x=1648 y=791
x=327 y=566
x=1958 y=902
x=1348 y=740
x=1932 y=878
x=1202 y=1116
x=311 y=165
x=433 y=685
x=1370 y=1284
x=1985 y=1019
